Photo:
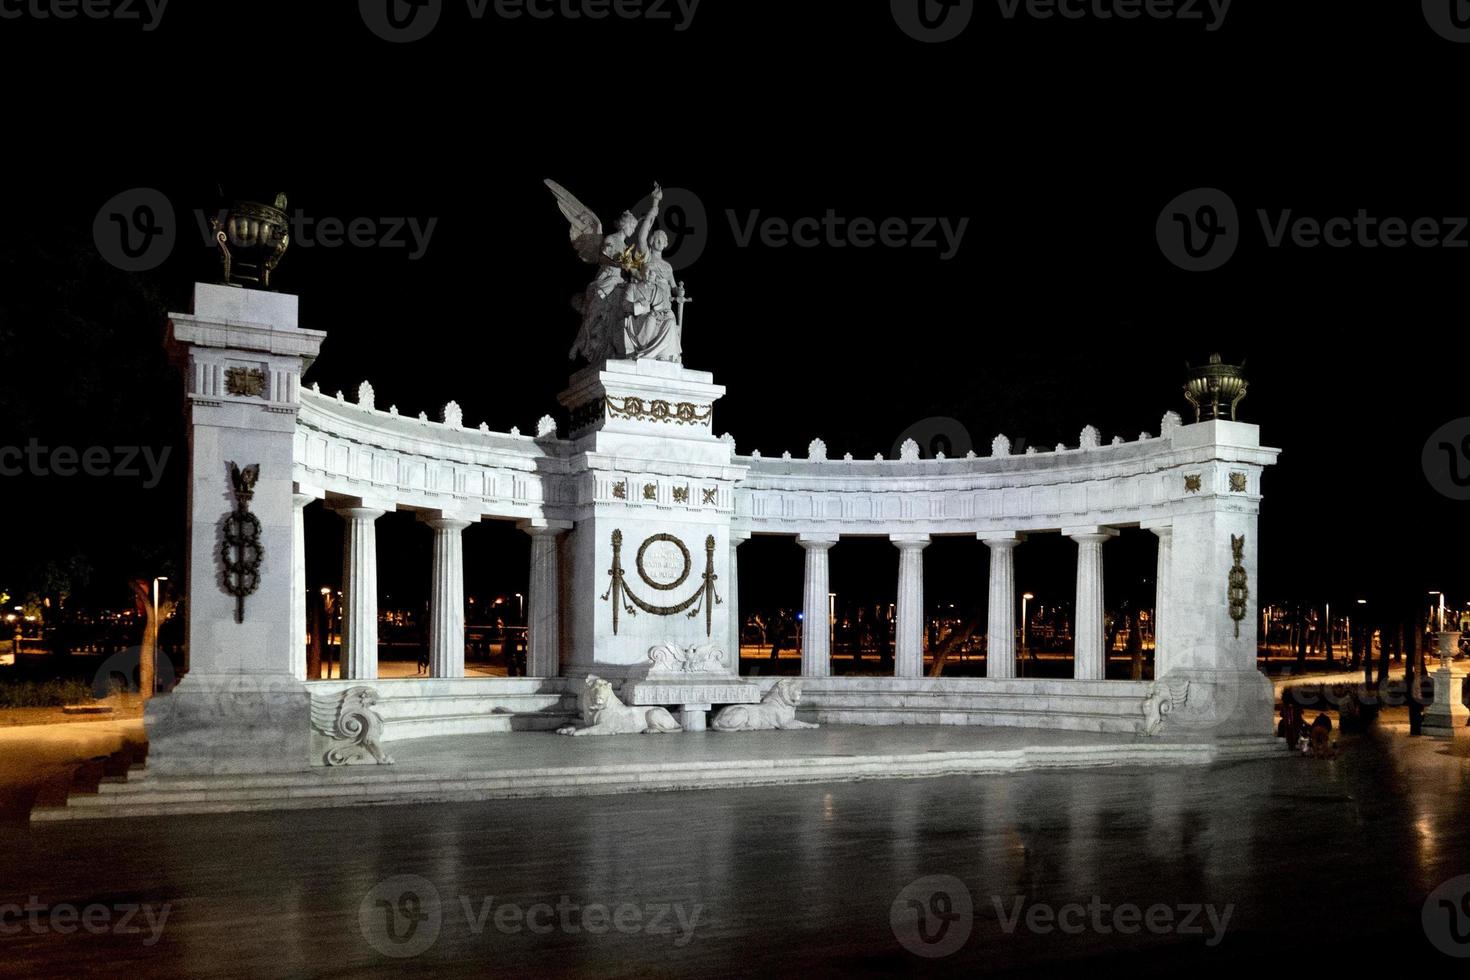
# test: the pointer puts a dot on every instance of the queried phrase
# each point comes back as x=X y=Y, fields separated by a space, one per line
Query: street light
x=521 y=604
x=148 y=672
x=831 y=616
x=1025 y=598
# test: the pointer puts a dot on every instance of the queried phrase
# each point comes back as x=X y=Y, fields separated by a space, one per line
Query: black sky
x=1061 y=142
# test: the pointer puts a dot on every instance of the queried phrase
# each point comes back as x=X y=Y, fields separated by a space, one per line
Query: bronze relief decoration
x=665 y=579
x=249 y=382
x=1239 y=592
x=240 y=549
x=657 y=410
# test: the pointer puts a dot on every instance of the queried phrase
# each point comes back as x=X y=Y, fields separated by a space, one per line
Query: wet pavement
x=1285 y=863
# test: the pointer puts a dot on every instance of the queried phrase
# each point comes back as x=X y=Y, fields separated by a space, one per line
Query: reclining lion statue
x=603 y=713
x=776 y=710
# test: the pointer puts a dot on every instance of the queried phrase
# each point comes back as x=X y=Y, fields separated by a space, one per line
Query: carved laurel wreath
x=624 y=599
x=683 y=551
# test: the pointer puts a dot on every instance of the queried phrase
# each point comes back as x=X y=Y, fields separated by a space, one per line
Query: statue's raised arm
x=646 y=225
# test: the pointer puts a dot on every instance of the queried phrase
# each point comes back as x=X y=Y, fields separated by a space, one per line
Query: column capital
x=360 y=512
x=739 y=535
x=907 y=541
x=1090 y=533
x=1001 y=539
x=346 y=506
x=305 y=493
x=820 y=541
x=538 y=526
x=1162 y=530
x=440 y=521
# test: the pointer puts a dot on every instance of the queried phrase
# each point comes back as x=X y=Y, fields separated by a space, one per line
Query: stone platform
x=535 y=764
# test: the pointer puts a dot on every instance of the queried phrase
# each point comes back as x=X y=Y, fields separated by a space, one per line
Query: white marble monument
x=636 y=509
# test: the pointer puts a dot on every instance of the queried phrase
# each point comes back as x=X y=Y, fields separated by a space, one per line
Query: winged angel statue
x=628 y=311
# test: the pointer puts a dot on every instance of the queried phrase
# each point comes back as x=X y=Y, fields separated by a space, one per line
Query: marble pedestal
x=1446 y=713
x=647 y=562
x=691 y=698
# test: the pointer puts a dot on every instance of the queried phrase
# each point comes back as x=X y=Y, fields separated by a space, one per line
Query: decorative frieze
x=657 y=410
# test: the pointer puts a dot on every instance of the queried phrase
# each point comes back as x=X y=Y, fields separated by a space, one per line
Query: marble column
x=909 y=632
x=360 y=593
x=816 y=631
x=1000 y=626
x=446 y=596
x=299 y=500
x=1089 y=657
x=1161 y=597
x=543 y=602
x=732 y=597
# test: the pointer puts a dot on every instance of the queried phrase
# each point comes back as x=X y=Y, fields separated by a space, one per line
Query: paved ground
x=31 y=753
x=1314 y=862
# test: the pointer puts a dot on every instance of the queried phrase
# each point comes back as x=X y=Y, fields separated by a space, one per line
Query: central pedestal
x=648 y=559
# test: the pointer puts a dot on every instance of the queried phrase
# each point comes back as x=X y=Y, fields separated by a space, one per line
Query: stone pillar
x=299 y=499
x=360 y=592
x=446 y=596
x=816 y=632
x=1089 y=657
x=1000 y=627
x=732 y=596
x=243 y=706
x=543 y=601
x=908 y=651
x=1164 y=578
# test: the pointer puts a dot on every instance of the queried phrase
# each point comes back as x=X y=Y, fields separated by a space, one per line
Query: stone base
x=1221 y=704
x=1446 y=714
x=230 y=724
x=535 y=765
x=692 y=697
x=692 y=716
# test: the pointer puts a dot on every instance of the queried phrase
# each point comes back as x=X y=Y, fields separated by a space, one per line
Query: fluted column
x=732 y=596
x=1000 y=625
x=543 y=603
x=360 y=593
x=1162 y=597
x=1089 y=661
x=299 y=501
x=446 y=597
x=909 y=630
x=816 y=632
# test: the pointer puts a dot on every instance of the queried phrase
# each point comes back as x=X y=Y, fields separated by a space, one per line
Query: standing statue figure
x=651 y=328
x=628 y=309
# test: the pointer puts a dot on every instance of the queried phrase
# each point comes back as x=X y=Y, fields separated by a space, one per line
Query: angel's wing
x=586 y=227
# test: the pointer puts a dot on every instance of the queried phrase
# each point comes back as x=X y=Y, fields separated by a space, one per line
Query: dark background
x=1060 y=140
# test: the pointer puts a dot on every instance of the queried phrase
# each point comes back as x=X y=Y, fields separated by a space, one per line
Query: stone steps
x=156 y=795
x=1115 y=707
x=427 y=707
x=1073 y=721
x=473 y=723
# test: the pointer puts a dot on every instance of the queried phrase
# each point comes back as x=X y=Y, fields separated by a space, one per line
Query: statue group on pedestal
x=629 y=310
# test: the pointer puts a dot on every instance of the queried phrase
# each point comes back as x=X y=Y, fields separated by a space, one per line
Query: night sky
x=1060 y=141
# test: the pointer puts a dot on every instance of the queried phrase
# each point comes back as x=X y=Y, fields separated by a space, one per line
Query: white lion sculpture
x=603 y=713
x=776 y=710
